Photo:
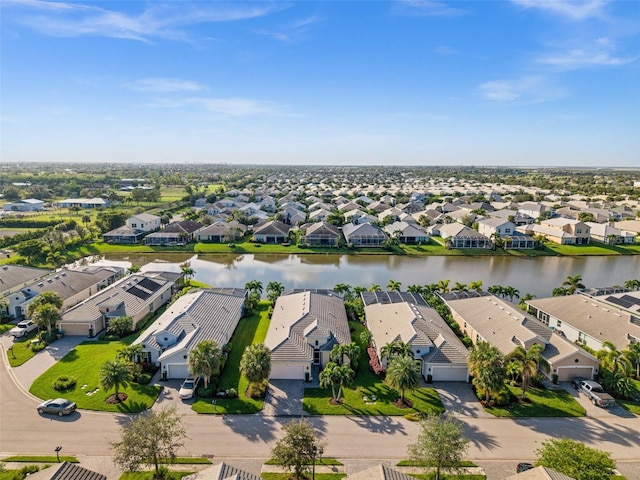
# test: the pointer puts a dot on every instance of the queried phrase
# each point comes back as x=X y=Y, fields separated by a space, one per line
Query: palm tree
x=613 y=359
x=497 y=290
x=443 y=286
x=395 y=349
x=573 y=283
x=133 y=269
x=358 y=290
x=46 y=316
x=115 y=374
x=204 y=360
x=392 y=286
x=274 y=290
x=402 y=374
x=86 y=219
x=375 y=288
x=487 y=367
x=459 y=287
x=187 y=271
x=414 y=288
x=49 y=297
x=335 y=375
x=255 y=363
x=511 y=292
x=633 y=354
x=56 y=258
x=476 y=285
x=632 y=284
x=352 y=350
x=559 y=292
x=254 y=286
x=130 y=353
x=524 y=299
x=344 y=289
x=529 y=361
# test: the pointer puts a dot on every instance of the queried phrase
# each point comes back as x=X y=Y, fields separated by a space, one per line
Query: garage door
x=70 y=328
x=287 y=371
x=565 y=374
x=177 y=370
x=449 y=374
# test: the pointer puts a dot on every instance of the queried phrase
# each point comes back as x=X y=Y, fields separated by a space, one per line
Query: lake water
x=537 y=275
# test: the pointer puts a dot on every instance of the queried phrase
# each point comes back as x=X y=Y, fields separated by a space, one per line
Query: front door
x=316 y=357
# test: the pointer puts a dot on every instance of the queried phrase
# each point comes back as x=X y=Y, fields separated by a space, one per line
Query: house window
x=151 y=307
x=582 y=338
x=479 y=338
x=559 y=323
x=316 y=343
x=507 y=230
x=579 y=230
x=134 y=225
x=544 y=317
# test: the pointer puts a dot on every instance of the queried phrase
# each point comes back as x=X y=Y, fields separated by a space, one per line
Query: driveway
x=593 y=411
x=459 y=400
x=284 y=398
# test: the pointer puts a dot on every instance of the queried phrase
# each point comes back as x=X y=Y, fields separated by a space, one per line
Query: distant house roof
x=362 y=230
x=323 y=228
x=295 y=316
x=222 y=472
x=273 y=227
x=540 y=473
x=66 y=471
x=380 y=472
x=406 y=229
x=185 y=226
x=145 y=217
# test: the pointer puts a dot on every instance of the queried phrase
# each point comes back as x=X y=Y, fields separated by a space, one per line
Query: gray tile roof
x=67 y=283
x=380 y=472
x=12 y=276
x=222 y=472
x=293 y=315
x=273 y=227
x=67 y=471
x=540 y=473
x=197 y=316
x=119 y=293
x=602 y=321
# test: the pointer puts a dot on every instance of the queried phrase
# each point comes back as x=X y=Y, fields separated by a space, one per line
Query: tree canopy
x=575 y=459
x=296 y=450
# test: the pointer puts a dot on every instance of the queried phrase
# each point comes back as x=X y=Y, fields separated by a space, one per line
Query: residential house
x=26 y=205
x=540 y=473
x=220 y=232
x=459 y=236
x=144 y=221
x=564 y=231
x=534 y=209
x=517 y=218
x=319 y=215
x=363 y=235
x=606 y=233
x=630 y=226
x=304 y=328
x=176 y=233
x=135 y=296
x=486 y=318
x=392 y=212
x=406 y=317
x=409 y=233
x=496 y=227
x=592 y=320
x=197 y=316
x=380 y=472
x=65 y=471
x=221 y=471
x=347 y=207
x=13 y=278
x=271 y=232
x=72 y=286
x=293 y=216
x=357 y=217
x=84 y=203
x=320 y=235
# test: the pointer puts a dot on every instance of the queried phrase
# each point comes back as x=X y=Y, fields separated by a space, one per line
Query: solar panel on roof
x=619 y=301
x=149 y=284
x=139 y=293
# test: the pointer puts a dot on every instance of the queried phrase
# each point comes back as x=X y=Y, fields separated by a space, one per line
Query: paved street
x=496 y=443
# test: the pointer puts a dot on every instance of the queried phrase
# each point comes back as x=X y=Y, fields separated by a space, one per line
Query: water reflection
x=538 y=276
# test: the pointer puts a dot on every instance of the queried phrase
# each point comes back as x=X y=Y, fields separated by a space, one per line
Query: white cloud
x=530 y=89
x=426 y=8
x=165 y=85
x=157 y=20
x=575 y=59
x=283 y=37
x=573 y=10
x=230 y=106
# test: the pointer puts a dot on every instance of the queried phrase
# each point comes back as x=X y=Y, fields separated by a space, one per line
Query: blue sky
x=415 y=82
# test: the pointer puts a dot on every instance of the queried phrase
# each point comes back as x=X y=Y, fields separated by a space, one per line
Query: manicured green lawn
x=251 y=329
x=20 y=350
x=40 y=458
x=632 y=405
x=84 y=363
x=544 y=403
x=357 y=398
x=413 y=463
x=5 y=327
x=319 y=461
x=447 y=476
x=592 y=249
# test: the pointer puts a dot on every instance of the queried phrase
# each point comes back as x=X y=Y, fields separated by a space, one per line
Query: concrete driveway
x=459 y=400
x=593 y=411
x=284 y=398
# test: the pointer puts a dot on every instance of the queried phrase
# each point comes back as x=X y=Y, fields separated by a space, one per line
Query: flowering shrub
x=374 y=362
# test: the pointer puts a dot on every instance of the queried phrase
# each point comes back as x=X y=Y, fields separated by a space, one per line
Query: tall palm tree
x=459 y=287
x=497 y=290
x=529 y=362
x=487 y=367
x=524 y=299
x=392 y=286
x=204 y=360
x=633 y=354
x=375 y=288
x=133 y=269
x=187 y=271
x=573 y=283
x=414 y=288
x=254 y=286
x=511 y=292
x=358 y=290
x=48 y=297
x=443 y=286
x=274 y=290
x=335 y=375
x=613 y=359
x=344 y=289
x=255 y=363
x=115 y=374
x=130 y=353
x=632 y=284
x=46 y=316
x=403 y=374
x=476 y=285
x=395 y=349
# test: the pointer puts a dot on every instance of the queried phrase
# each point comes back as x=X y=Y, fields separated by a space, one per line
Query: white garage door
x=177 y=370
x=287 y=371
x=449 y=374
x=565 y=374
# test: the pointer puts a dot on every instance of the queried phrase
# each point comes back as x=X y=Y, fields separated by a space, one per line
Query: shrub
x=414 y=416
x=232 y=393
x=144 y=379
x=208 y=392
x=64 y=382
x=374 y=362
x=257 y=390
x=37 y=347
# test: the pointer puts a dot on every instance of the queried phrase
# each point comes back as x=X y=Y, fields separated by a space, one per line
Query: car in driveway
x=188 y=387
x=58 y=406
x=22 y=329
